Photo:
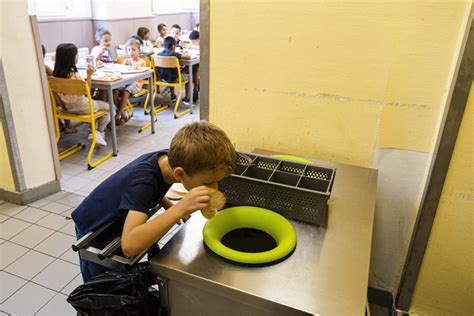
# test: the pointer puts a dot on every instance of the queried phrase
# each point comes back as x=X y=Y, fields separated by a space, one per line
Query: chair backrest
x=147 y=60
x=122 y=59
x=68 y=86
x=166 y=61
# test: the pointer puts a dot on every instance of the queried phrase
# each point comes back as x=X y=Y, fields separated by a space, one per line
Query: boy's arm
x=138 y=234
x=186 y=56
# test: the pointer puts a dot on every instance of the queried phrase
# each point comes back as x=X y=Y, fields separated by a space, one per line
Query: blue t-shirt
x=138 y=186
x=168 y=74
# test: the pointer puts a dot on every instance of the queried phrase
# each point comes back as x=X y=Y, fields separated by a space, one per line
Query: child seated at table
x=143 y=37
x=121 y=96
x=171 y=74
x=65 y=67
x=176 y=33
x=162 y=32
x=103 y=52
x=194 y=37
x=66 y=126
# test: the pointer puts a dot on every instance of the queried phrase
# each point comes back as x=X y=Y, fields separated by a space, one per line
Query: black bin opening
x=248 y=240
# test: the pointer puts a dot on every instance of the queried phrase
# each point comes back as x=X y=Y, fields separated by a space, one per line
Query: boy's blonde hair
x=202 y=146
x=133 y=42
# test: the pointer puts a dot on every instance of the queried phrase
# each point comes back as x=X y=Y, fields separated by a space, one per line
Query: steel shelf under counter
x=327 y=274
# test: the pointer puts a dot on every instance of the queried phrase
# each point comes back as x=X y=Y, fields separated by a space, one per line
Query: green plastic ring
x=250 y=217
x=292 y=158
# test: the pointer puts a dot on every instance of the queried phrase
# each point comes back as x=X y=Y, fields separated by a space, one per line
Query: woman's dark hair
x=194 y=35
x=176 y=26
x=169 y=42
x=142 y=31
x=65 y=60
x=161 y=26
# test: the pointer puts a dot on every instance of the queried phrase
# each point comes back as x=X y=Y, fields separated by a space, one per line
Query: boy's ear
x=178 y=173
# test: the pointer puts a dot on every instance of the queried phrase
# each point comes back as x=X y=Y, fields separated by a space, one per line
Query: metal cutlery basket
x=295 y=190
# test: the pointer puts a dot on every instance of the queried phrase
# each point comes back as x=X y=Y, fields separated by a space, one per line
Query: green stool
x=250 y=217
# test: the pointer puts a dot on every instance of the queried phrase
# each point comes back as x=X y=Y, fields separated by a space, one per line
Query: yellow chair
x=129 y=107
x=77 y=87
x=173 y=63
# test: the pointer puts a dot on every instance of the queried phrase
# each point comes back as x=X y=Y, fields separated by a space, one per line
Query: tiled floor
x=38 y=269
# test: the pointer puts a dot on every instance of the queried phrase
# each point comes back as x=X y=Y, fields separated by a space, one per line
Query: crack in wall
x=339 y=98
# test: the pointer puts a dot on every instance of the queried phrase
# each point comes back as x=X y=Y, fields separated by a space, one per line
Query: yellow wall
x=18 y=53
x=6 y=178
x=446 y=281
x=359 y=82
x=322 y=78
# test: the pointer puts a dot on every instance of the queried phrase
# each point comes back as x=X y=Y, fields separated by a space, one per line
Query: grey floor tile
x=68 y=189
x=56 y=244
x=71 y=286
x=30 y=264
x=28 y=300
x=57 y=196
x=9 y=284
x=9 y=253
x=108 y=165
x=71 y=256
x=90 y=187
x=39 y=203
x=73 y=169
x=105 y=176
x=69 y=229
x=58 y=306
x=11 y=227
x=93 y=174
x=31 y=214
x=57 y=275
x=66 y=176
x=11 y=209
x=68 y=213
x=55 y=207
x=71 y=200
x=3 y=218
x=32 y=236
x=76 y=183
x=53 y=221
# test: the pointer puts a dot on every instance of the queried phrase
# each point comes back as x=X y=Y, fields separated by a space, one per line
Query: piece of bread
x=216 y=202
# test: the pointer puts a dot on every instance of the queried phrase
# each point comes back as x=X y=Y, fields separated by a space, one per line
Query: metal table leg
x=112 y=120
x=152 y=104
x=190 y=89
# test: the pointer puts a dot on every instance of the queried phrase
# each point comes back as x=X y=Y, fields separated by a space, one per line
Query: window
x=60 y=9
x=174 y=6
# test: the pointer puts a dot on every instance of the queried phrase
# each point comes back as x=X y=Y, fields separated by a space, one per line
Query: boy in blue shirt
x=170 y=74
x=200 y=155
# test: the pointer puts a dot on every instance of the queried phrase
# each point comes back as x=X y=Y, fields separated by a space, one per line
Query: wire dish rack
x=295 y=190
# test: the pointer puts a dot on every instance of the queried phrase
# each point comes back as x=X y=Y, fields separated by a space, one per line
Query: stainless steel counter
x=327 y=274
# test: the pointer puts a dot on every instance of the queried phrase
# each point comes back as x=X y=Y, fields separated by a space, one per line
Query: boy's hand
x=194 y=200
